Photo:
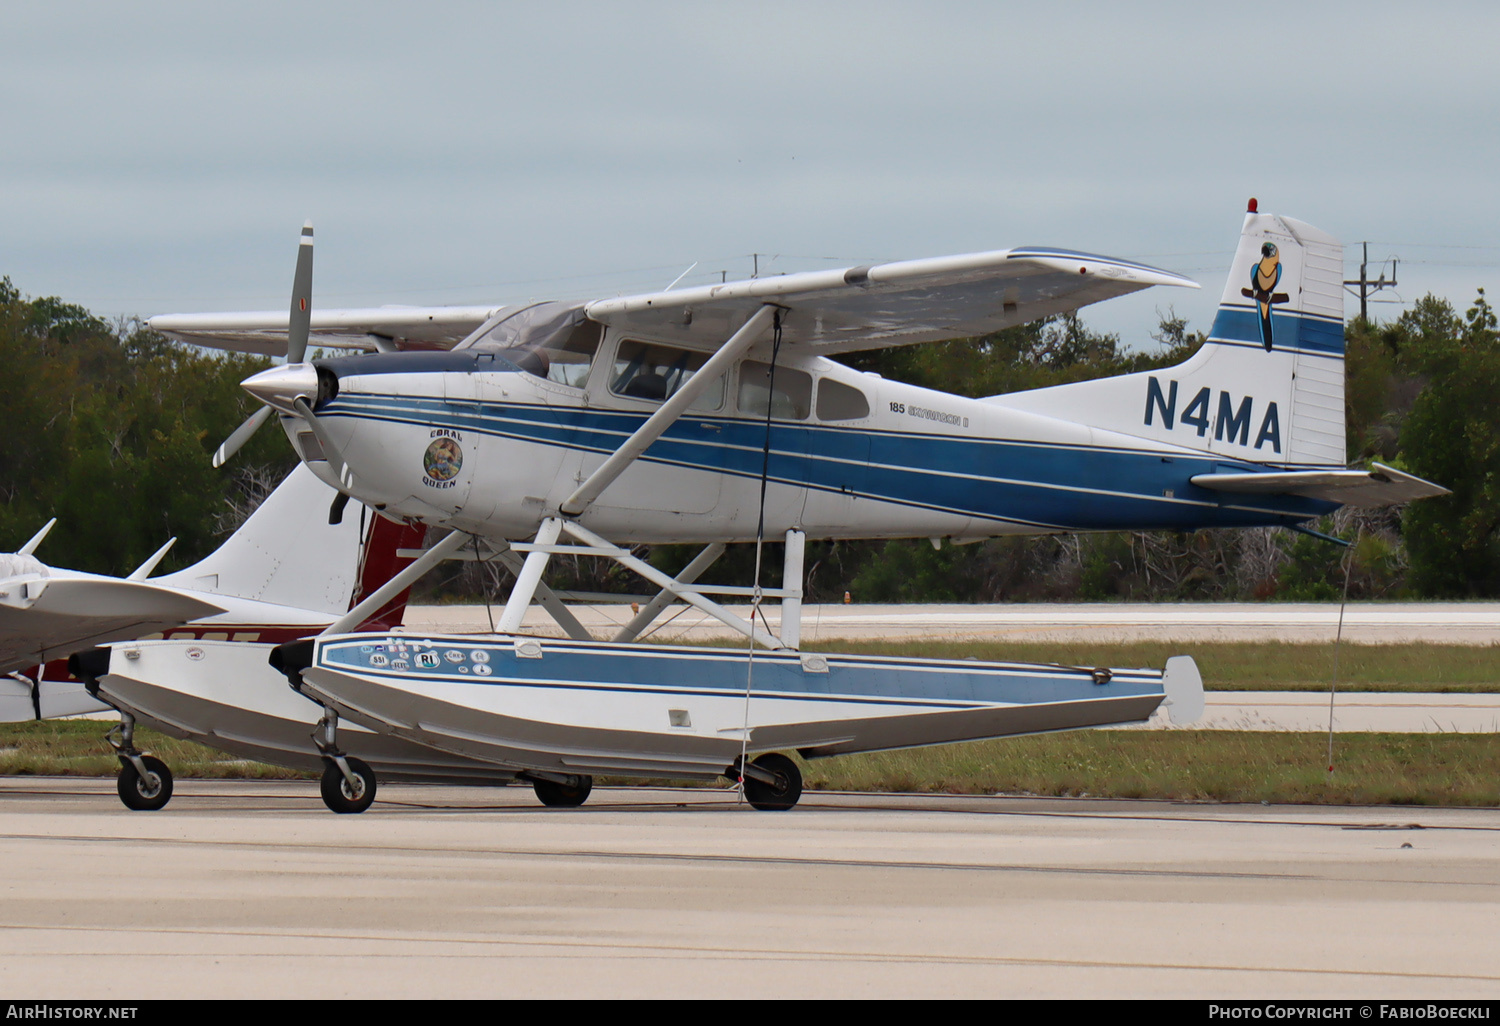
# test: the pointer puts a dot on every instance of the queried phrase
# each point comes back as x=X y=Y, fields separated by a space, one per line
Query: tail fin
x=1268 y=385
x=288 y=554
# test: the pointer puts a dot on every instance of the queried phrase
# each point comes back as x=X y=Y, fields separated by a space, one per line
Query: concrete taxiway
x=253 y=889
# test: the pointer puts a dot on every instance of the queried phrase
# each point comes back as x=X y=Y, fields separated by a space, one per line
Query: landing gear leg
x=145 y=783
x=348 y=784
x=772 y=782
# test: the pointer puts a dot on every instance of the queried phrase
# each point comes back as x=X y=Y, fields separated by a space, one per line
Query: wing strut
x=651 y=610
x=667 y=415
x=372 y=603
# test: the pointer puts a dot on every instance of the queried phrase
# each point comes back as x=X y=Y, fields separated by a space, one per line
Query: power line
x=1366 y=286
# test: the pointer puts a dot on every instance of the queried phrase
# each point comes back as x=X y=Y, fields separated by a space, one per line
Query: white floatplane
x=288 y=572
x=244 y=591
x=714 y=415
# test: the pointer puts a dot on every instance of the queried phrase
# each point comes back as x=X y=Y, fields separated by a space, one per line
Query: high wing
x=891 y=304
x=376 y=328
x=1378 y=486
x=867 y=307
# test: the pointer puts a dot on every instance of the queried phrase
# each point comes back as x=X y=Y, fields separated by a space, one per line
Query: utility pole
x=1366 y=286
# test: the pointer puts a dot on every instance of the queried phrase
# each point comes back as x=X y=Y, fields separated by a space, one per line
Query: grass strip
x=1185 y=765
x=76 y=748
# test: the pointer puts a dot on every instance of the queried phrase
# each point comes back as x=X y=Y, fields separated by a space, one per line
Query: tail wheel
x=338 y=795
x=781 y=795
x=563 y=796
x=144 y=794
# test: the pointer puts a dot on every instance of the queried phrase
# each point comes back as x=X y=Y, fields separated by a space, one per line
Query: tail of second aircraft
x=1268 y=385
x=288 y=554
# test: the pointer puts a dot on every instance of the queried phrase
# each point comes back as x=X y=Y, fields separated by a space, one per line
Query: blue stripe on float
x=687 y=672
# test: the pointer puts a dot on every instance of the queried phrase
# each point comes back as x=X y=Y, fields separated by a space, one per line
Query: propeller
x=241 y=435
x=299 y=327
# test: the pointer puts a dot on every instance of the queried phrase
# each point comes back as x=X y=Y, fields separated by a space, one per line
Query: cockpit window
x=555 y=341
x=644 y=370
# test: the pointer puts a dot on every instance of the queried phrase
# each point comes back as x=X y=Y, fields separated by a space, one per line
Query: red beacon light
x=1251 y=208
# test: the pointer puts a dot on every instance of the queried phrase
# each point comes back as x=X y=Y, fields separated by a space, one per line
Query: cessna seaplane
x=717 y=415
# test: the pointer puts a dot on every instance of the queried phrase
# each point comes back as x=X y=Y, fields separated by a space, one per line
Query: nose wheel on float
x=145 y=782
x=348 y=784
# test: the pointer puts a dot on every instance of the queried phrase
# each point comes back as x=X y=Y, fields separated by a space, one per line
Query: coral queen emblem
x=442 y=461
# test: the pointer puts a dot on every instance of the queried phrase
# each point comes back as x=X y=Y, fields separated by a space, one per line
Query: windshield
x=555 y=341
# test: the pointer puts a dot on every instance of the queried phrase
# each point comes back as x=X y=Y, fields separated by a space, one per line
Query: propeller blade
x=301 y=323
x=241 y=435
x=330 y=451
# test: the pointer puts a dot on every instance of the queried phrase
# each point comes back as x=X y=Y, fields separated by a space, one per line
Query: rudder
x=1268 y=384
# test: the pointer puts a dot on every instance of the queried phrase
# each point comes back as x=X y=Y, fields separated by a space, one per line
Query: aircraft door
x=787 y=396
x=681 y=472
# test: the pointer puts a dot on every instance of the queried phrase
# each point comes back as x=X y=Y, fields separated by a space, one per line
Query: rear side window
x=791 y=398
x=838 y=401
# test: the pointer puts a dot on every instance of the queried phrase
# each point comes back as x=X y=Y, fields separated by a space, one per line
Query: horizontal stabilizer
x=1378 y=486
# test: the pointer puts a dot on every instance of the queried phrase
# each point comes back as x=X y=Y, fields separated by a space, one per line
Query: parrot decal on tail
x=1265 y=275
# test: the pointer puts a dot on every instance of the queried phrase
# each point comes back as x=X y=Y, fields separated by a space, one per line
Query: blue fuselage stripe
x=1047 y=486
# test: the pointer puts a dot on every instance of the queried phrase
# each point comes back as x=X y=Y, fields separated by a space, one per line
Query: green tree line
x=110 y=427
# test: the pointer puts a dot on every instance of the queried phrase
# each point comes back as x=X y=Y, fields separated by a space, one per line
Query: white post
x=529 y=577
x=791 y=584
x=549 y=601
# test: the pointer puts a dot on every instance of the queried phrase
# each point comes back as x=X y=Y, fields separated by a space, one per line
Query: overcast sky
x=161 y=157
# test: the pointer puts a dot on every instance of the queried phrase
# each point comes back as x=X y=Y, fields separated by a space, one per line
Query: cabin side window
x=789 y=397
x=838 y=401
x=644 y=370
